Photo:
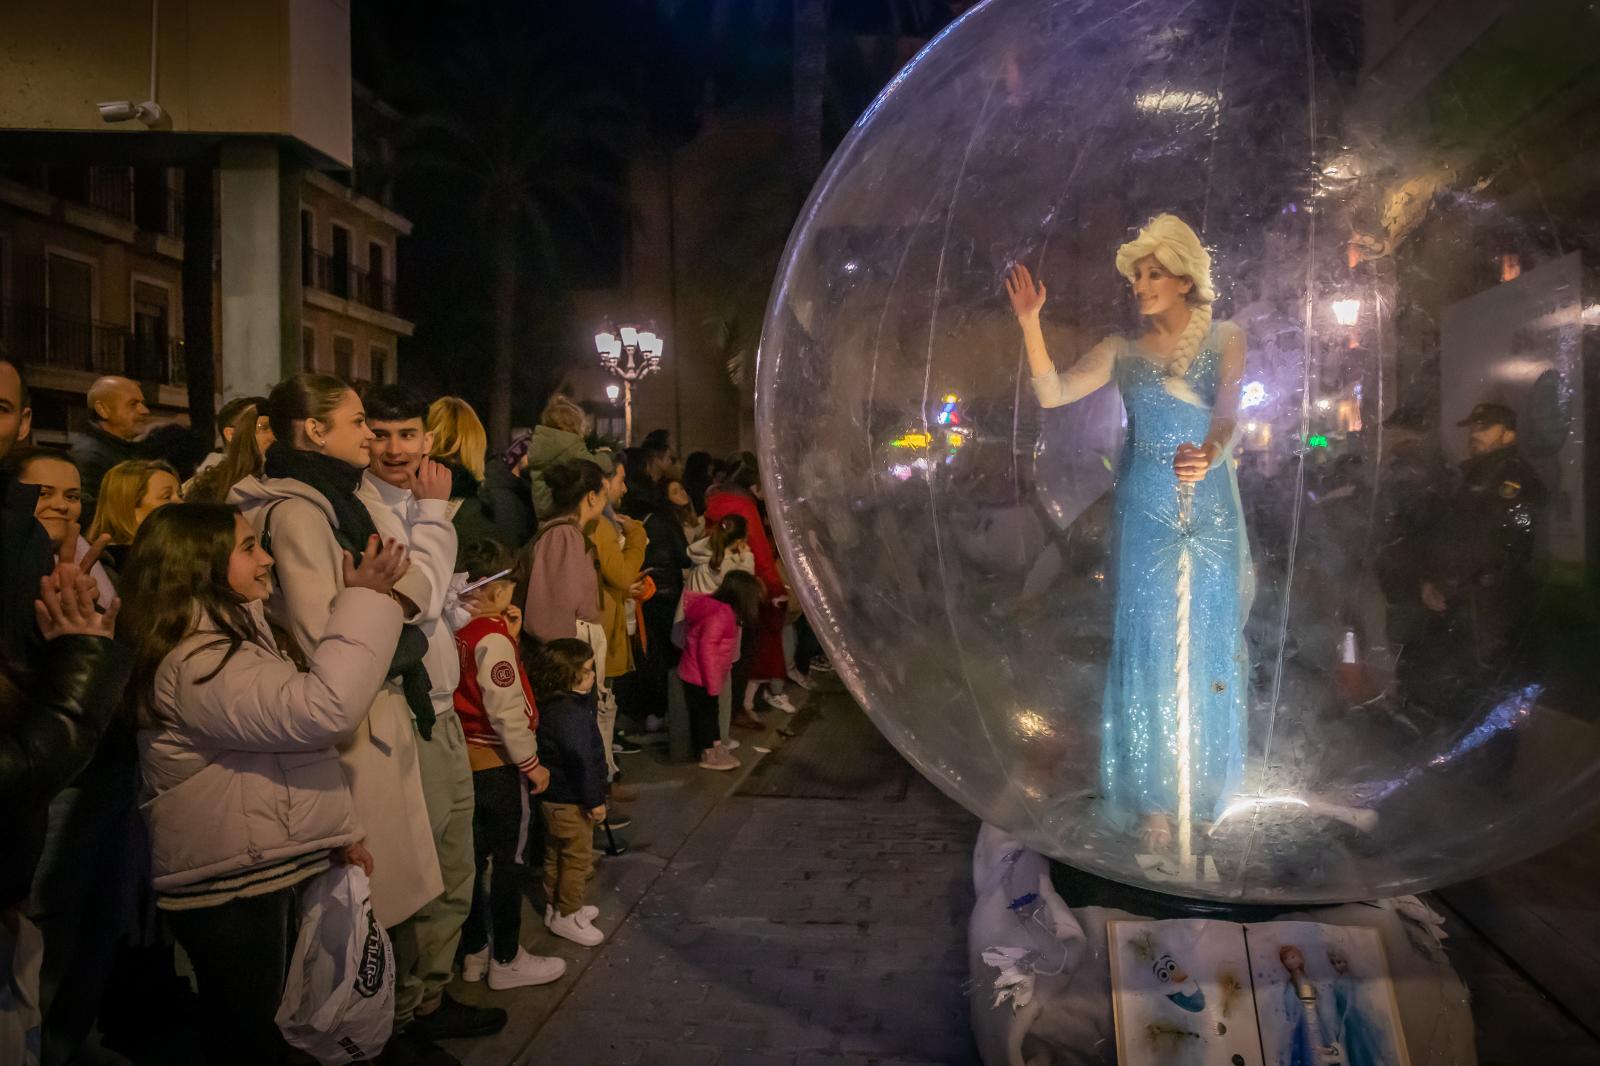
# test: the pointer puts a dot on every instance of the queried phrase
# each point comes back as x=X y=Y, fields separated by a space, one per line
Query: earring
x=322 y=444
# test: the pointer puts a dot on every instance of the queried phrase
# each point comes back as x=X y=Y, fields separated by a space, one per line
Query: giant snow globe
x=1174 y=421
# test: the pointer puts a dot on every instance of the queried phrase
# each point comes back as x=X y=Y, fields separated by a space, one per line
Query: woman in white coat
x=306 y=514
x=247 y=801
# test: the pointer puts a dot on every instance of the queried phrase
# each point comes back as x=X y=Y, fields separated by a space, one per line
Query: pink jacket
x=711 y=641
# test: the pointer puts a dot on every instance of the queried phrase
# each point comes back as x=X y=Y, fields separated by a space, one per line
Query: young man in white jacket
x=408 y=496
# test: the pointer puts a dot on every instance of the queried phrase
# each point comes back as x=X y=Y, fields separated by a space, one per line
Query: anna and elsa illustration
x=1173 y=716
x=1329 y=1024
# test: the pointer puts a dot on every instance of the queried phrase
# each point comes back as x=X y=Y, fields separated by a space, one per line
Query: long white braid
x=1190 y=341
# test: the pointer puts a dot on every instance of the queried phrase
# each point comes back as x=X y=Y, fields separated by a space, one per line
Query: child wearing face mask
x=247 y=801
x=499 y=716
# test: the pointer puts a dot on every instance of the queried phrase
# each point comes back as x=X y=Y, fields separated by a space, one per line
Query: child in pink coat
x=710 y=646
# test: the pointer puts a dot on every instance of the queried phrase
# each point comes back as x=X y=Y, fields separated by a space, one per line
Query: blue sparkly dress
x=1139 y=715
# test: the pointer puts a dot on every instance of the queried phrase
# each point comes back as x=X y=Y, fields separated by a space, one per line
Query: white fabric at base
x=1067 y=1019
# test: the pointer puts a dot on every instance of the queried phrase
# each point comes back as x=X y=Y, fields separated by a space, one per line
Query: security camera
x=148 y=112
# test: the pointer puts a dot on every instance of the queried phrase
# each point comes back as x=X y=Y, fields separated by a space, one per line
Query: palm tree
x=809 y=88
x=507 y=123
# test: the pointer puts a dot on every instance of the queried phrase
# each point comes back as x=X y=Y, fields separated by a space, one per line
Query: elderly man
x=117 y=417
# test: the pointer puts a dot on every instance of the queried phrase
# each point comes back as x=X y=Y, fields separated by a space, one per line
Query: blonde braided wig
x=1178 y=249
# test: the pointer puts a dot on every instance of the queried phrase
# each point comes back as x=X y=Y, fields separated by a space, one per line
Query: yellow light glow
x=1032 y=724
x=914 y=439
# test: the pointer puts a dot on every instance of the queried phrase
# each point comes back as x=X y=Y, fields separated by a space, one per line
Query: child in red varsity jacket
x=499 y=716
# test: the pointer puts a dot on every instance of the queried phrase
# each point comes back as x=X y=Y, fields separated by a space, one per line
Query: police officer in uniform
x=1477 y=578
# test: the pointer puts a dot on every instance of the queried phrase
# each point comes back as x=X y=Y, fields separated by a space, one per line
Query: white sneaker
x=589 y=911
x=800 y=679
x=781 y=701
x=575 y=929
x=475 y=965
x=730 y=745
x=525 y=970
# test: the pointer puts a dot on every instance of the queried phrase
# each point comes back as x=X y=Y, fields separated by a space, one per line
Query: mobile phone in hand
x=482 y=581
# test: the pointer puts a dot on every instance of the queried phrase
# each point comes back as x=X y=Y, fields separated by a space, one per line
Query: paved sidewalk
x=776 y=928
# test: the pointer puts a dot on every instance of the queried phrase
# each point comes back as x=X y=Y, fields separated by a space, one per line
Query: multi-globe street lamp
x=632 y=354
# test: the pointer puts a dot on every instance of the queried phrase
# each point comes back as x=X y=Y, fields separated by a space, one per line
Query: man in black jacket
x=665 y=559
x=52 y=719
x=50 y=726
x=117 y=417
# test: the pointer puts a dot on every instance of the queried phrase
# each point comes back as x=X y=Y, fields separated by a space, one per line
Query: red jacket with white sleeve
x=493 y=699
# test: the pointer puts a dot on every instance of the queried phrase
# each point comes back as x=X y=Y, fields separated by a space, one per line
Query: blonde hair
x=1177 y=248
x=458 y=434
x=120 y=492
x=562 y=413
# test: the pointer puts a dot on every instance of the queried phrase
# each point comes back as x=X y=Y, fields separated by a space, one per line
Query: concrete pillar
x=260 y=250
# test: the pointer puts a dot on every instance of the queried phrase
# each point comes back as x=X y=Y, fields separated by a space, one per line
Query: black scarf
x=335 y=481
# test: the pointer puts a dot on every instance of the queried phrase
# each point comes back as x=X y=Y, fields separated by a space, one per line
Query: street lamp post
x=632 y=354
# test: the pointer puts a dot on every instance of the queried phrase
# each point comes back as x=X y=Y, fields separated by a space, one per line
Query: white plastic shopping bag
x=338 y=1003
x=21 y=953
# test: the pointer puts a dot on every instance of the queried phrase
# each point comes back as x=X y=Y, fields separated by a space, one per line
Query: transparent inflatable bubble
x=1356 y=658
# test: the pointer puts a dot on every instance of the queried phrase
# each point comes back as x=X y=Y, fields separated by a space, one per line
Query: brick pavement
x=762 y=930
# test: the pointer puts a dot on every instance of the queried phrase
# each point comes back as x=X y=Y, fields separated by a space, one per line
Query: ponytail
x=731 y=530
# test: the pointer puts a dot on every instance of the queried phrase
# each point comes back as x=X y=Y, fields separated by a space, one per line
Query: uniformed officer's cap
x=1491 y=414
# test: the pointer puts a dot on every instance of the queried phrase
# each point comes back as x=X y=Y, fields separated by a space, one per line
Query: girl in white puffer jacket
x=724 y=548
x=246 y=800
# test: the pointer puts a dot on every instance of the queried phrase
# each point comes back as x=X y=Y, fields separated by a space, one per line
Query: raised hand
x=431 y=481
x=69 y=548
x=1026 y=296
x=66 y=606
x=382 y=564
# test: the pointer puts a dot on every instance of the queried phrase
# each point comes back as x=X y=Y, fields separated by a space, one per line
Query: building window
x=308 y=347
x=378 y=365
x=68 y=182
x=338 y=281
x=308 y=248
x=344 y=357
x=377 y=295
x=157 y=203
x=71 y=339
x=152 y=316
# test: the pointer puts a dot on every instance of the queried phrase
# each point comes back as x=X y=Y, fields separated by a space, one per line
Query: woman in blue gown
x=1174 y=710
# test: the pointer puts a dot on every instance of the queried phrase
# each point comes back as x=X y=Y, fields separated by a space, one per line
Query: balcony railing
x=41 y=337
x=341 y=278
